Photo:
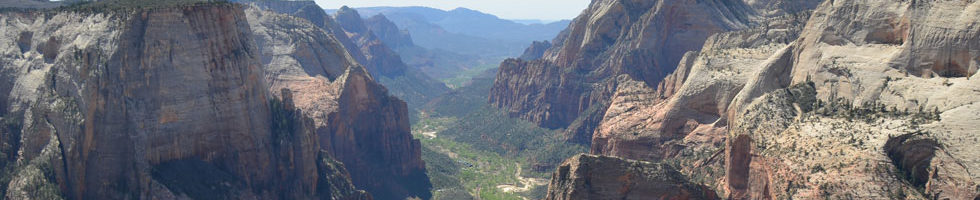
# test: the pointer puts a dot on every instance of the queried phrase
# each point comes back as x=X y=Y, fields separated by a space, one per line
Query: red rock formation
x=174 y=102
x=132 y=95
x=371 y=134
x=174 y=97
x=642 y=39
x=355 y=118
x=891 y=60
x=737 y=102
x=601 y=177
x=371 y=51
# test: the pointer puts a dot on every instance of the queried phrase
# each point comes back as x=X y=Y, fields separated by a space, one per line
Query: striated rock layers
x=601 y=177
x=570 y=86
x=200 y=101
x=384 y=64
x=858 y=100
x=356 y=120
x=107 y=105
x=354 y=117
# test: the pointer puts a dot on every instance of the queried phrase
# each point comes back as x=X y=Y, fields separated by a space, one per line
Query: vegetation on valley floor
x=471 y=148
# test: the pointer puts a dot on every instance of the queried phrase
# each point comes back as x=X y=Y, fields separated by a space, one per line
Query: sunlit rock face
x=572 y=83
x=602 y=177
x=120 y=92
x=202 y=101
x=355 y=119
x=786 y=107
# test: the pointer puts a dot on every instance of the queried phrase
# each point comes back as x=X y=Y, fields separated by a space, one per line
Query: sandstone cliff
x=173 y=101
x=105 y=103
x=912 y=60
x=373 y=52
x=123 y=95
x=861 y=99
x=601 y=177
x=692 y=100
x=385 y=64
x=575 y=78
x=535 y=51
x=355 y=119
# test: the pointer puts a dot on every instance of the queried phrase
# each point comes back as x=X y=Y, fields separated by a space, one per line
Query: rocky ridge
x=404 y=81
x=355 y=119
x=872 y=91
x=388 y=32
x=112 y=104
x=116 y=116
x=571 y=85
x=373 y=52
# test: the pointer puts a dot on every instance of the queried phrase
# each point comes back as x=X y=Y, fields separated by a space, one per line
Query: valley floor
x=458 y=167
x=475 y=151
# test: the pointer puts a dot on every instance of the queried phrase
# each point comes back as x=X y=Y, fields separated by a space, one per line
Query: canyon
x=634 y=99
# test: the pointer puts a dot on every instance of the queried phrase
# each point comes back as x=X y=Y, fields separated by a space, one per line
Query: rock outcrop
x=388 y=32
x=128 y=95
x=600 y=177
x=380 y=60
x=536 y=50
x=194 y=100
x=385 y=64
x=373 y=52
x=790 y=106
x=692 y=100
x=910 y=60
x=355 y=119
x=120 y=94
x=642 y=39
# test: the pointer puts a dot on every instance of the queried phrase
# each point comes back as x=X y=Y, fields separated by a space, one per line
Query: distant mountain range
x=534 y=21
x=466 y=31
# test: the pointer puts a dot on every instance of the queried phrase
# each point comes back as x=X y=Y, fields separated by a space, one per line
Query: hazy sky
x=507 y=9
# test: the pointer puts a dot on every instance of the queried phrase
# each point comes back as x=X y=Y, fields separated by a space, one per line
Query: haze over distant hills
x=453 y=46
x=466 y=31
x=635 y=99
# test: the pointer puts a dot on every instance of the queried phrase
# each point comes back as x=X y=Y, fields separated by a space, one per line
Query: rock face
x=692 y=100
x=371 y=134
x=408 y=83
x=831 y=104
x=381 y=60
x=373 y=52
x=388 y=32
x=200 y=101
x=642 y=39
x=355 y=119
x=536 y=50
x=898 y=66
x=601 y=177
x=118 y=113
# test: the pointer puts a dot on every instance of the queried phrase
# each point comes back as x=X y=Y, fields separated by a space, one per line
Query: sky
x=506 y=9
